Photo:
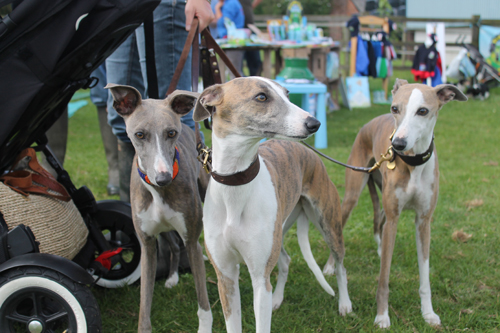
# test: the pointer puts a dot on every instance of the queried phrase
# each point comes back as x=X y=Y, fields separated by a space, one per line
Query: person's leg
x=110 y=143
x=99 y=97
x=236 y=58
x=254 y=63
x=170 y=37
x=58 y=137
x=122 y=67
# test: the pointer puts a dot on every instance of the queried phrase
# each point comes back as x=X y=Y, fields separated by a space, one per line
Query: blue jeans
x=99 y=95
x=127 y=65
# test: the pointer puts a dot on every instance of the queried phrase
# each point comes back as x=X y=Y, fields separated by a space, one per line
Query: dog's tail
x=305 y=248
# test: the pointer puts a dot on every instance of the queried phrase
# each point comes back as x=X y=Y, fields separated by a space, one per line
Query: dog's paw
x=205 y=321
x=382 y=321
x=345 y=308
x=378 y=240
x=432 y=319
x=172 y=281
x=328 y=269
x=277 y=300
x=205 y=329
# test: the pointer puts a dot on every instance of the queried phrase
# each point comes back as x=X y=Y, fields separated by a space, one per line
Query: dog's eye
x=261 y=98
x=394 y=109
x=171 y=134
x=422 y=111
x=139 y=135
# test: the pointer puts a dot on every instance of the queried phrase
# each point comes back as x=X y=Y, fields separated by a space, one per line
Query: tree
x=339 y=7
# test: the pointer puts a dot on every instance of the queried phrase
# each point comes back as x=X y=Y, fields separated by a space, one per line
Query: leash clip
x=205 y=158
x=383 y=157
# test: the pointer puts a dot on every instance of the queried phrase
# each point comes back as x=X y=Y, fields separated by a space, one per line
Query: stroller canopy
x=48 y=49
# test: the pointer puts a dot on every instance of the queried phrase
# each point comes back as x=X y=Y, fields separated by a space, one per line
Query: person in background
x=127 y=66
x=99 y=96
x=252 y=57
x=232 y=10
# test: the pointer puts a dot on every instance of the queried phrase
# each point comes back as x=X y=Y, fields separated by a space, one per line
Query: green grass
x=465 y=277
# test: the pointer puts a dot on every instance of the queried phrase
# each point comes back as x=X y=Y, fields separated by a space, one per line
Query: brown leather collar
x=239 y=178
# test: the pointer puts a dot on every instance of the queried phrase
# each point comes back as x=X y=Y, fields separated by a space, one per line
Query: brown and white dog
x=164 y=188
x=287 y=182
x=412 y=184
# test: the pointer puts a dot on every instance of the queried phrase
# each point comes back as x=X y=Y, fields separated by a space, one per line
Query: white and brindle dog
x=411 y=182
x=245 y=221
x=165 y=188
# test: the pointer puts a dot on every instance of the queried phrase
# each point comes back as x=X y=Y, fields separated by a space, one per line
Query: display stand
x=368 y=23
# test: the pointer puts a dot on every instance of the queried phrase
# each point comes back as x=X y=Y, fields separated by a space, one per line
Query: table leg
x=266 y=66
x=321 y=136
x=278 y=62
x=222 y=68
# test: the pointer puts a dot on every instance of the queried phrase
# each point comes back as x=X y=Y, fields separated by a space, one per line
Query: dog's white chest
x=234 y=217
x=160 y=217
x=420 y=189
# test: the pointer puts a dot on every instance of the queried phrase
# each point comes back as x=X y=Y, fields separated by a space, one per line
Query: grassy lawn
x=465 y=276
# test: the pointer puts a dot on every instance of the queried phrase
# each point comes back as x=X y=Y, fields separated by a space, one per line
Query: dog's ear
x=181 y=101
x=209 y=98
x=448 y=92
x=126 y=98
x=398 y=84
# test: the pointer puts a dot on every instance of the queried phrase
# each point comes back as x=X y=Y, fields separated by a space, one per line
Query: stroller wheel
x=115 y=221
x=38 y=299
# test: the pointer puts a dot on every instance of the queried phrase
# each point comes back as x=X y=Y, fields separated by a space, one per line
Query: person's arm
x=218 y=10
x=255 y=3
x=202 y=10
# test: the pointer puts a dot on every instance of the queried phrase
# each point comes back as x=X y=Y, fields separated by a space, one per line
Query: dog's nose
x=163 y=179
x=399 y=144
x=312 y=124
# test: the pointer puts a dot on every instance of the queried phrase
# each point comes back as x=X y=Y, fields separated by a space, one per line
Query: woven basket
x=56 y=224
x=55 y=221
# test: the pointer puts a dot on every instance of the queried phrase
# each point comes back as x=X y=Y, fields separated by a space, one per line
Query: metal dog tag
x=391 y=165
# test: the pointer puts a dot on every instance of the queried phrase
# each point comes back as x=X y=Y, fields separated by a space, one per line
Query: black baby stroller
x=48 y=49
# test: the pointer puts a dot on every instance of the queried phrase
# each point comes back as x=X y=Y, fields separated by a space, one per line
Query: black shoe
x=113 y=189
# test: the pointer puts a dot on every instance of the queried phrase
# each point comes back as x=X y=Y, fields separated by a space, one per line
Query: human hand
x=255 y=3
x=202 y=10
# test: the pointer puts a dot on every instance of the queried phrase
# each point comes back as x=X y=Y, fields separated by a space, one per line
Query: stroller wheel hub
x=35 y=326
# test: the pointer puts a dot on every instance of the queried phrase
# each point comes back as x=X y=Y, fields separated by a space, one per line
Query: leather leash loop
x=184 y=55
x=210 y=72
x=39 y=181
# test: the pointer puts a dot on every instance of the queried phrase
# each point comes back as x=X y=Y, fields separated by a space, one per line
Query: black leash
x=361 y=169
x=150 y=57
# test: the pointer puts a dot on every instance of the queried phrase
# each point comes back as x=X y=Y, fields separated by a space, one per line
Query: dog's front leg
x=228 y=271
x=423 y=237
x=148 y=272
x=388 y=241
x=195 y=255
x=262 y=302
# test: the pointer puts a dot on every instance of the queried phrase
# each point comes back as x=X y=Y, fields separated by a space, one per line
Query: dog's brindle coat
x=414 y=113
x=247 y=222
x=155 y=129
